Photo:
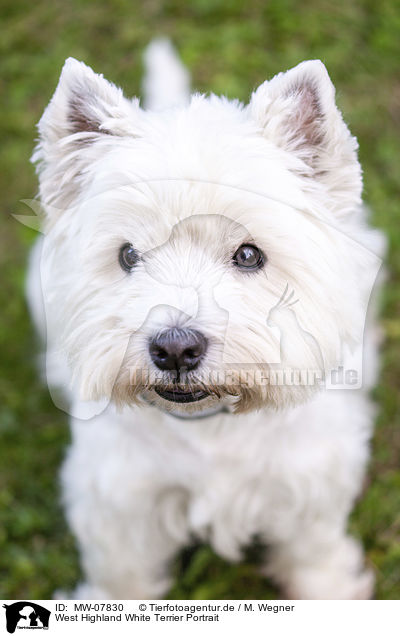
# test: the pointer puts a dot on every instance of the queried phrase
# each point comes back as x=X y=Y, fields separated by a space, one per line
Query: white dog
x=205 y=272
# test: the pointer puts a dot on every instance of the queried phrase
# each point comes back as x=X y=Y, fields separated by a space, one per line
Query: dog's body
x=194 y=222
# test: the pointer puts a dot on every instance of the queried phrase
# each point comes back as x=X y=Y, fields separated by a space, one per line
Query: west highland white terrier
x=203 y=285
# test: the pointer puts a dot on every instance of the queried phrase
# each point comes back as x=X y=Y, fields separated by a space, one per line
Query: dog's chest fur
x=226 y=478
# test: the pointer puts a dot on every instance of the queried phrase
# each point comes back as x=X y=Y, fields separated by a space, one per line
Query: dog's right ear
x=296 y=111
x=84 y=111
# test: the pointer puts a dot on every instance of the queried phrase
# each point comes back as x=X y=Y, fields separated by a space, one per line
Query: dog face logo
x=184 y=282
x=26 y=615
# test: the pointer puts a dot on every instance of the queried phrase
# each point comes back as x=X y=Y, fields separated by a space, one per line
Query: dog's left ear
x=86 y=111
x=297 y=111
x=85 y=102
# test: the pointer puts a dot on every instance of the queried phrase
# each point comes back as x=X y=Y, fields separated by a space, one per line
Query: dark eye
x=128 y=257
x=248 y=257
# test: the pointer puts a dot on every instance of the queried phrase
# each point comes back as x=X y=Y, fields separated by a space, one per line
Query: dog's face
x=190 y=250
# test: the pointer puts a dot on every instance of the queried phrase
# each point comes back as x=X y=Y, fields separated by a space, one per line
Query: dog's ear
x=297 y=111
x=85 y=102
x=84 y=111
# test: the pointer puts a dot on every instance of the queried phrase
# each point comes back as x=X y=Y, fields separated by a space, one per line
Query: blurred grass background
x=230 y=47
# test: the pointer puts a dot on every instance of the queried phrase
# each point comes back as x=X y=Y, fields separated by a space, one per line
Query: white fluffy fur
x=187 y=185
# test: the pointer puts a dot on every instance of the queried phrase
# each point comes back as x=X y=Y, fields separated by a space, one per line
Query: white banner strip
x=330 y=618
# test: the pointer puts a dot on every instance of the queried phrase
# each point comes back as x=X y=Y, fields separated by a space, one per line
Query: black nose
x=178 y=349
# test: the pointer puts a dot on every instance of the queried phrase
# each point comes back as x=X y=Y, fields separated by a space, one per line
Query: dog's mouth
x=181 y=396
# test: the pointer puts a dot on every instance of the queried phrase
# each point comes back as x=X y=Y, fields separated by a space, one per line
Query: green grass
x=230 y=47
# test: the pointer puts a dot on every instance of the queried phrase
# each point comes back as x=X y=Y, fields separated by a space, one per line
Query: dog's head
x=191 y=253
